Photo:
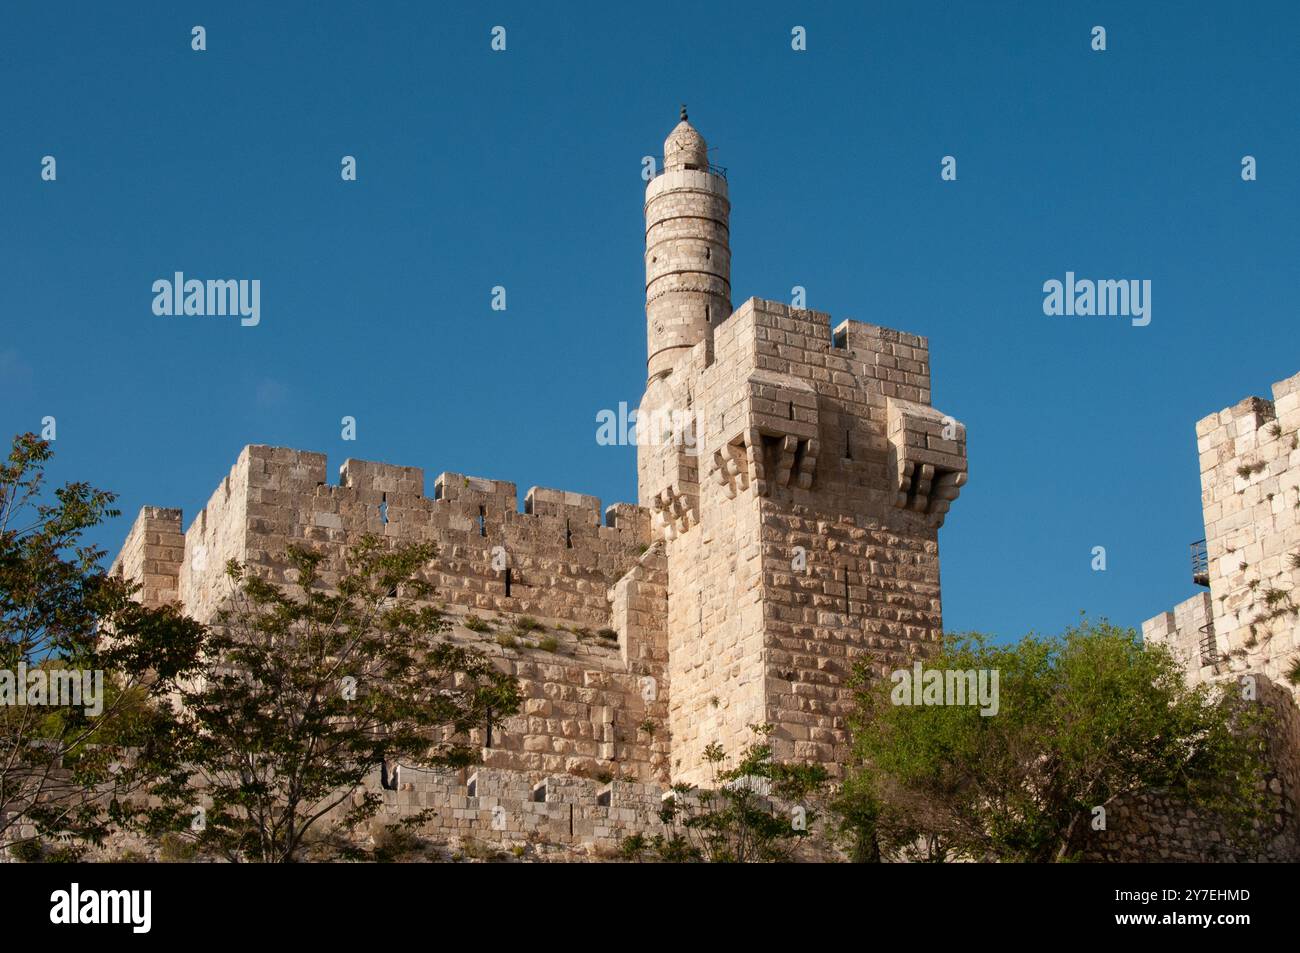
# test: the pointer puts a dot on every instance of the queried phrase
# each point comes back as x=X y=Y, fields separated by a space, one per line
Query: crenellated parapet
x=556 y=555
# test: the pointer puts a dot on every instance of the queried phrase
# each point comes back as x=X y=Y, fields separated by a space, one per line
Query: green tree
x=64 y=764
x=757 y=811
x=305 y=690
x=1081 y=719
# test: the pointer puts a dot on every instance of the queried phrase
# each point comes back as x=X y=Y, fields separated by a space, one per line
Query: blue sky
x=522 y=169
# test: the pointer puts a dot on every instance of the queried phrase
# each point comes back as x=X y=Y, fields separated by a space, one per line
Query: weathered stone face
x=152 y=554
x=791 y=554
x=1248 y=620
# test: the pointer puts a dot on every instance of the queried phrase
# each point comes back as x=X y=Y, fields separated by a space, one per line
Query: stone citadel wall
x=596 y=704
x=1242 y=629
x=1156 y=825
x=1249 y=619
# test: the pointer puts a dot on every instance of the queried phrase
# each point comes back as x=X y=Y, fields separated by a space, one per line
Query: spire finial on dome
x=685 y=147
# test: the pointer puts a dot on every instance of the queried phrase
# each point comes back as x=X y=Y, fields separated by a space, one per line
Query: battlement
x=897 y=361
x=458 y=486
x=369 y=478
x=273 y=496
x=773 y=394
x=285 y=470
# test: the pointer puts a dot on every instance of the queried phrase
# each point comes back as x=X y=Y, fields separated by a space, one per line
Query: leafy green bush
x=1079 y=720
x=758 y=811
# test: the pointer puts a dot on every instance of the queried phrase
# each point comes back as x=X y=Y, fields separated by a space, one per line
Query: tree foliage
x=757 y=811
x=62 y=765
x=1082 y=719
x=305 y=690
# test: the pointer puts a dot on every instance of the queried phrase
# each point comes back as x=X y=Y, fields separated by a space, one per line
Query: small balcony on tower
x=1200 y=564
x=718 y=170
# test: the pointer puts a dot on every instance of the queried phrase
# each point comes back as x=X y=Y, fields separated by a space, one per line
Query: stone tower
x=797 y=478
x=1245 y=619
x=687 y=250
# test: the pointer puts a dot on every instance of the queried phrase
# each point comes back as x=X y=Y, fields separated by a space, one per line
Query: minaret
x=687 y=250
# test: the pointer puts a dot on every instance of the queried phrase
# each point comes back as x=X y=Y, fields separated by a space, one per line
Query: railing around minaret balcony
x=1209 y=647
x=717 y=170
x=1200 y=563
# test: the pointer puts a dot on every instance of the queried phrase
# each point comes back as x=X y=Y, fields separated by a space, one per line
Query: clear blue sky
x=522 y=169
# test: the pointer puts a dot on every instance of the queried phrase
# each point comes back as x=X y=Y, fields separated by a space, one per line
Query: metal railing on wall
x=1200 y=563
x=719 y=171
x=1209 y=647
